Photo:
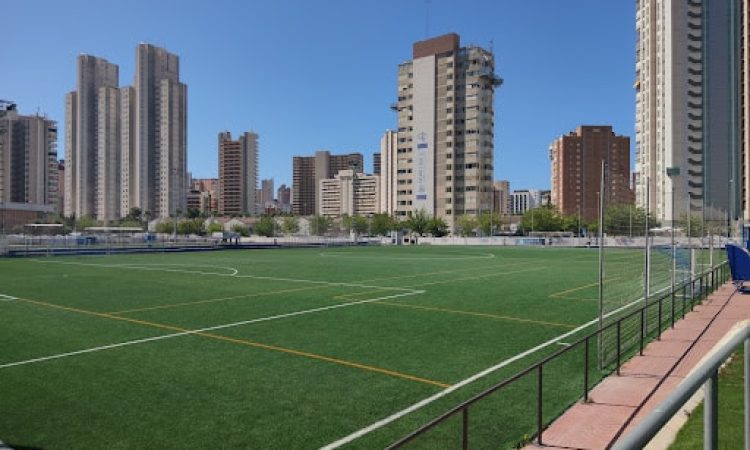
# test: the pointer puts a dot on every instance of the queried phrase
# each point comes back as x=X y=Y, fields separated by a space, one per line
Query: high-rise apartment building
x=307 y=171
x=202 y=195
x=349 y=193
x=501 y=197
x=576 y=170
x=284 y=196
x=687 y=107
x=523 y=200
x=376 y=163
x=126 y=147
x=389 y=173
x=160 y=163
x=446 y=129
x=266 y=199
x=28 y=158
x=96 y=77
x=238 y=173
x=745 y=106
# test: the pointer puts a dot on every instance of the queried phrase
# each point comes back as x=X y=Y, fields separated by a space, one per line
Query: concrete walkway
x=595 y=424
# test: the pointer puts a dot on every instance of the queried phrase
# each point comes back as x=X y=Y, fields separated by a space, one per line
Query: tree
x=214 y=228
x=319 y=225
x=85 y=222
x=241 y=229
x=193 y=213
x=544 y=218
x=418 y=222
x=346 y=223
x=360 y=224
x=290 y=225
x=466 y=225
x=488 y=223
x=694 y=225
x=135 y=214
x=626 y=220
x=192 y=226
x=381 y=224
x=265 y=227
x=165 y=227
x=437 y=227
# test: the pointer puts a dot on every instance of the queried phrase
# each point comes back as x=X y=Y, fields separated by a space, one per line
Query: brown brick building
x=307 y=171
x=576 y=170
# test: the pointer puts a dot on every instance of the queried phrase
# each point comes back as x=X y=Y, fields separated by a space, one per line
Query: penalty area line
x=200 y=330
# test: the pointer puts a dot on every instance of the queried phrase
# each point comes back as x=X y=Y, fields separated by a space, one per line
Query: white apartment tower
x=687 y=108
x=446 y=127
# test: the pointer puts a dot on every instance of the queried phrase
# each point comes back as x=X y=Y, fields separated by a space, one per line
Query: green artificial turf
x=427 y=318
x=731 y=412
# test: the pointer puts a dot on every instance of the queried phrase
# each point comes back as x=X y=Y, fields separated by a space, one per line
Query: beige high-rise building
x=349 y=193
x=95 y=78
x=128 y=189
x=501 y=197
x=108 y=158
x=160 y=175
x=446 y=125
x=307 y=171
x=238 y=173
x=745 y=106
x=687 y=112
x=266 y=194
x=388 y=172
x=28 y=158
x=127 y=147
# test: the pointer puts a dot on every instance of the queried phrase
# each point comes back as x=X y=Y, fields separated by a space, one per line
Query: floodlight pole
x=647 y=262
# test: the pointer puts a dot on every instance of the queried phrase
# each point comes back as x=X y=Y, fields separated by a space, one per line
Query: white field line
x=254 y=277
x=395 y=416
x=410 y=258
x=203 y=330
x=7 y=298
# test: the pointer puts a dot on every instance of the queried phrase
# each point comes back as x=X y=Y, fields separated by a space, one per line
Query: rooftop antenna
x=427 y=19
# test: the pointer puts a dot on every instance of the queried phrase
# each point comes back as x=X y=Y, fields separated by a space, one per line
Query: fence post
x=539 y=420
x=746 y=384
x=658 y=329
x=619 y=322
x=586 y=372
x=465 y=441
x=711 y=413
x=642 y=334
x=673 y=294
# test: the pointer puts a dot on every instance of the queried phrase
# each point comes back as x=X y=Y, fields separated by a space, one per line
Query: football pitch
x=289 y=348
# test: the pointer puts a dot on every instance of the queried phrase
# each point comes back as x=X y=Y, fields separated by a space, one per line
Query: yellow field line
x=560 y=294
x=424 y=274
x=275 y=348
x=216 y=300
x=499 y=274
x=477 y=314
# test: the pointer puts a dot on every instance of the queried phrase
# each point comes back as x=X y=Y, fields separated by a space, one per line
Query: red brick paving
x=592 y=425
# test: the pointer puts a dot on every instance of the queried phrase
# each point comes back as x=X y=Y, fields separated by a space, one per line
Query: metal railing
x=692 y=291
x=706 y=374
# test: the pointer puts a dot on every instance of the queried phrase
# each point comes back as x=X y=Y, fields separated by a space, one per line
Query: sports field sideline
x=293 y=348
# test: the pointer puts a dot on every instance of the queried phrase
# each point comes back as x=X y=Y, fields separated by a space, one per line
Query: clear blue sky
x=309 y=75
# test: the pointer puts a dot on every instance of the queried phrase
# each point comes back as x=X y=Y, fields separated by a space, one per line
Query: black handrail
x=709 y=278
